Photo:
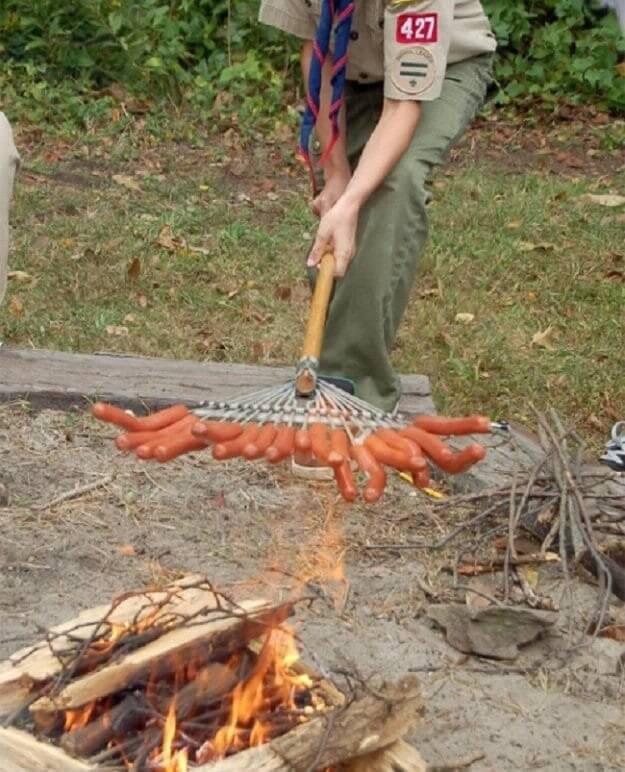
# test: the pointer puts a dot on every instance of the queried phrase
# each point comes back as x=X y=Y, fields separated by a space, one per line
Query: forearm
x=337 y=161
x=387 y=144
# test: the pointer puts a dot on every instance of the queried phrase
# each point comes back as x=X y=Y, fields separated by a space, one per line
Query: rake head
x=329 y=426
x=306 y=417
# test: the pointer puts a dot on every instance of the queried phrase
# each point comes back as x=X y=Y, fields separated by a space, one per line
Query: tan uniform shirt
x=405 y=43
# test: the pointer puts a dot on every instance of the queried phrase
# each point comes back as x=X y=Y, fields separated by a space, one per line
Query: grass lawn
x=191 y=246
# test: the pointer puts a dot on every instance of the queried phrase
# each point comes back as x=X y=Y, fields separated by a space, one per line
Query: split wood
x=358 y=733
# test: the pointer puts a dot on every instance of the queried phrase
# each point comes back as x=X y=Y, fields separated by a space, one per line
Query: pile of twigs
x=561 y=502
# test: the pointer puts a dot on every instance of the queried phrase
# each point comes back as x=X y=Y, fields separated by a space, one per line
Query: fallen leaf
x=127 y=182
x=142 y=301
x=168 y=241
x=604 y=200
x=513 y=225
x=113 y=329
x=570 y=160
x=593 y=421
x=127 y=550
x=134 y=269
x=433 y=292
x=543 y=339
x=522 y=545
x=615 y=632
x=20 y=276
x=199 y=251
x=543 y=246
x=530 y=574
x=496 y=632
x=130 y=318
x=284 y=292
x=16 y=307
x=464 y=318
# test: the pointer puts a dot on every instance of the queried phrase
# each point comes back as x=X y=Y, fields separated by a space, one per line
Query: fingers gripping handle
x=306 y=379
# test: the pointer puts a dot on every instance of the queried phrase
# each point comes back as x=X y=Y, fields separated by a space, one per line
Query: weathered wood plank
x=20 y=752
x=366 y=724
x=53 y=379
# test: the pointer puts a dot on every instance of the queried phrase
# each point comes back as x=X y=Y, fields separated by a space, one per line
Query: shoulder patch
x=414 y=70
x=417 y=28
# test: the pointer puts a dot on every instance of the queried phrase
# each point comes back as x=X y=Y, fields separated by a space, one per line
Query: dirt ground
x=144 y=524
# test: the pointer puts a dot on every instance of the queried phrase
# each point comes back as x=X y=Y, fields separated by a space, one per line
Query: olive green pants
x=369 y=302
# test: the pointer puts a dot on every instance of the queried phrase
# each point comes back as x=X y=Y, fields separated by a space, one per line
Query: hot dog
x=376 y=481
x=474 y=424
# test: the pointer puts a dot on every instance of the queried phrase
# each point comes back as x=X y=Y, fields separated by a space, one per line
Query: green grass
x=243 y=297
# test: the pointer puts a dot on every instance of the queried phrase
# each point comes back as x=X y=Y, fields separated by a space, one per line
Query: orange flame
x=172 y=761
x=249 y=698
x=76 y=719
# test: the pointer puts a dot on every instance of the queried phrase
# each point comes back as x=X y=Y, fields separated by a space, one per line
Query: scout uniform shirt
x=405 y=43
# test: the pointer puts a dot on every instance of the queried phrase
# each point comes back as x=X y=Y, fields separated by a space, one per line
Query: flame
x=249 y=698
x=172 y=761
x=76 y=719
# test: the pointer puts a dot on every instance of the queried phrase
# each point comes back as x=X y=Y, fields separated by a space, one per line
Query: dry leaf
x=127 y=182
x=604 y=200
x=134 y=269
x=20 y=276
x=199 y=251
x=464 y=318
x=127 y=550
x=513 y=225
x=130 y=318
x=284 y=292
x=433 y=292
x=113 y=329
x=616 y=632
x=530 y=575
x=142 y=301
x=16 y=307
x=543 y=339
x=544 y=246
x=168 y=241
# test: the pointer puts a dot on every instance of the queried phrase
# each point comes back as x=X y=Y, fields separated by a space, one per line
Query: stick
x=80 y=491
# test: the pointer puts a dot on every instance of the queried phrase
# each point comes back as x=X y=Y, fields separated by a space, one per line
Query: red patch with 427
x=417 y=28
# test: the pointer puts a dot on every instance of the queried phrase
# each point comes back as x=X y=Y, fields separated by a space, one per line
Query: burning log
x=211 y=684
x=208 y=685
x=34 y=665
x=224 y=635
x=366 y=725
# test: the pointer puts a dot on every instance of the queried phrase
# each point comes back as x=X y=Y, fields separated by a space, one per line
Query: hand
x=333 y=189
x=336 y=233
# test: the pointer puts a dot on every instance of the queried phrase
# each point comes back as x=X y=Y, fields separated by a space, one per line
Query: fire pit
x=185 y=678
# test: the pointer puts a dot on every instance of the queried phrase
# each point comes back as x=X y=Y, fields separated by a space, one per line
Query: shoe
x=614 y=455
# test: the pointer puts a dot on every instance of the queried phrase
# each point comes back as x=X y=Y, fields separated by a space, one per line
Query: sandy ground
x=146 y=524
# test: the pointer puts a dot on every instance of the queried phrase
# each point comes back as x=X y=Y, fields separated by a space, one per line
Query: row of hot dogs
x=170 y=433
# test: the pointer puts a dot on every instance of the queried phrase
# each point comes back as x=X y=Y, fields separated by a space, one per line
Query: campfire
x=183 y=679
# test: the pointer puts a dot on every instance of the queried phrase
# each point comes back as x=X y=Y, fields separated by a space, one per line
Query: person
x=9 y=162
x=391 y=86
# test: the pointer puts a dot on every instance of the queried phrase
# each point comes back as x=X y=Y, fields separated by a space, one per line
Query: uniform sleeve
x=416 y=44
x=293 y=16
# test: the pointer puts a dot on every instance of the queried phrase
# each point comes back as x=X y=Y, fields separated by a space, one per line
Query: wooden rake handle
x=306 y=378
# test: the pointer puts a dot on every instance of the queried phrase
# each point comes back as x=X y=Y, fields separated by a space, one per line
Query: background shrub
x=59 y=58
